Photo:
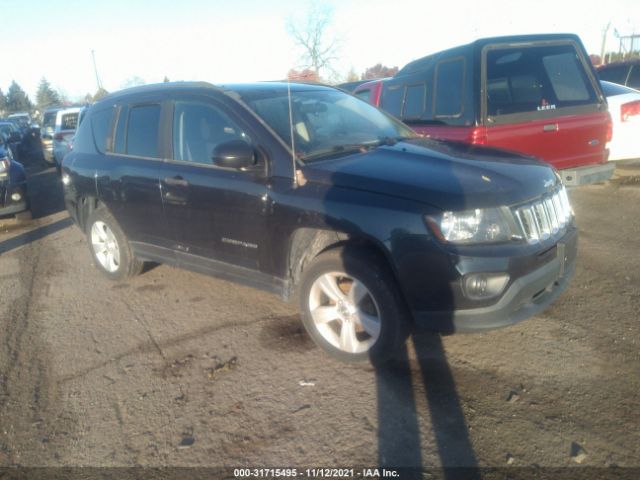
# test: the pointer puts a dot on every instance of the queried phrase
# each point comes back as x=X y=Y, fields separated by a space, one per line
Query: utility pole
x=95 y=69
x=604 y=43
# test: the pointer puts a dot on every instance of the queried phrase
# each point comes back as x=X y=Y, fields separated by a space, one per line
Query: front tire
x=110 y=247
x=351 y=307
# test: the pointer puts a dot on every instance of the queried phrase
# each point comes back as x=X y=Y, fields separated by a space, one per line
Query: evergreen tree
x=3 y=102
x=46 y=96
x=17 y=99
x=100 y=94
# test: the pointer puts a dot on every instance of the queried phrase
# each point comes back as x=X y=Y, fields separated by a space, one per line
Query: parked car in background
x=64 y=130
x=47 y=128
x=13 y=185
x=624 y=107
x=22 y=120
x=12 y=137
x=350 y=86
x=623 y=73
x=370 y=91
x=535 y=94
x=371 y=228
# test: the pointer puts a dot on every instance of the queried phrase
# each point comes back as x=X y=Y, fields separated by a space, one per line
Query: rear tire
x=110 y=247
x=351 y=307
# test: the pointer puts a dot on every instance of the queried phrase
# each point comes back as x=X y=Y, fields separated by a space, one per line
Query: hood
x=446 y=175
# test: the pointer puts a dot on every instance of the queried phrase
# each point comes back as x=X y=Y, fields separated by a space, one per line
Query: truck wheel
x=110 y=248
x=351 y=307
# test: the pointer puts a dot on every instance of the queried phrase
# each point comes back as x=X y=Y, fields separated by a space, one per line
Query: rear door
x=128 y=175
x=541 y=99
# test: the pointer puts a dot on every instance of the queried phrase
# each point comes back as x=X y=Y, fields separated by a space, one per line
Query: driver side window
x=198 y=128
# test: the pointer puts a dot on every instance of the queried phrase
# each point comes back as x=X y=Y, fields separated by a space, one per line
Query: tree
x=306 y=75
x=17 y=100
x=379 y=71
x=311 y=35
x=46 y=96
x=3 y=102
x=100 y=93
x=165 y=79
x=352 y=76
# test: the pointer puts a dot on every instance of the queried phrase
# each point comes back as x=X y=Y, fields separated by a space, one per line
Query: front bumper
x=9 y=206
x=525 y=297
x=574 y=177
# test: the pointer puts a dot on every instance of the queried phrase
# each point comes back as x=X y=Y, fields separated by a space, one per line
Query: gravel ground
x=176 y=368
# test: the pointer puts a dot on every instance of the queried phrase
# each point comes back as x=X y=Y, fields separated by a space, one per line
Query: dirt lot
x=176 y=368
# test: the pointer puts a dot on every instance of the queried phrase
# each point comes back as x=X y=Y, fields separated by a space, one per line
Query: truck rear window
x=532 y=79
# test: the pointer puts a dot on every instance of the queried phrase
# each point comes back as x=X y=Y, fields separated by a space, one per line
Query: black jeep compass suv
x=316 y=195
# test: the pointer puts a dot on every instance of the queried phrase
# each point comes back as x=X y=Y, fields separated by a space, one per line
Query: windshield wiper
x=349 y=148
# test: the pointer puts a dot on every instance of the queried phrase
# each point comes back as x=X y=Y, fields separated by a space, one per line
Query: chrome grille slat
x=545 y=216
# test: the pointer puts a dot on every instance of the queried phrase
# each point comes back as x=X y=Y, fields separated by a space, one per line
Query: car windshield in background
x=525 y=79
x=325 y=122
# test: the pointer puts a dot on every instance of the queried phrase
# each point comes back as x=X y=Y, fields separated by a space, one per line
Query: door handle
x=176 y=181
x=550 y=127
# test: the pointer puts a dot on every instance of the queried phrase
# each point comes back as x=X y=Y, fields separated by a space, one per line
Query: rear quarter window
x=449 y=88
x=101 y=126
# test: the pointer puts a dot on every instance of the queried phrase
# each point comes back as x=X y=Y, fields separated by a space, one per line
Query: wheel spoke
x=99 y=231
x=348 y=339
x=370 y=323
x=322 y=315
x=99 y=247
x=329 y=285
x=358 y=292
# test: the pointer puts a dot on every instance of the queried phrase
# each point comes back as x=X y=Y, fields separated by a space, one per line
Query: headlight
x=4 y=165
x=471 y=226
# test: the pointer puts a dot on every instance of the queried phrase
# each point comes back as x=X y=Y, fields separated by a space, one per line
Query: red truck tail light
x=629 y=110
x=609 y=128
x=478 y=136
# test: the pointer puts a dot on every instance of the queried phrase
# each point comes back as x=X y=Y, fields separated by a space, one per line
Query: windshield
x=325 y=122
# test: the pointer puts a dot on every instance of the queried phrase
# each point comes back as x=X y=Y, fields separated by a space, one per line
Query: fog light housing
x=482 y=286
x=16 y=196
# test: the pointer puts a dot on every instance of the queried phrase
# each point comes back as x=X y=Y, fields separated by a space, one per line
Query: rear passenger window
x=392 y=99
x=449 y=88
x=142 y=131
x=197 y=130
x=414 y=101
x=69 y=121
x=100 y=124
x=532 y=79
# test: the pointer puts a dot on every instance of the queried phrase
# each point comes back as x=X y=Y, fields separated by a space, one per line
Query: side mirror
x=236 y=154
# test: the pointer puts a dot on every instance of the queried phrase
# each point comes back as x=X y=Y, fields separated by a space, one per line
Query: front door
x=213 y=213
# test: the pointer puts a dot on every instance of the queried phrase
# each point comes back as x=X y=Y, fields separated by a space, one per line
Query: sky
x=142 y=41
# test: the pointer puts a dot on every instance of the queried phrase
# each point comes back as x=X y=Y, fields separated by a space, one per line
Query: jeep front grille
x=545 y=216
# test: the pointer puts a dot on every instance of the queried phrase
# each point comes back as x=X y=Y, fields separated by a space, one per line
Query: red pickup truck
x=534 y=94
